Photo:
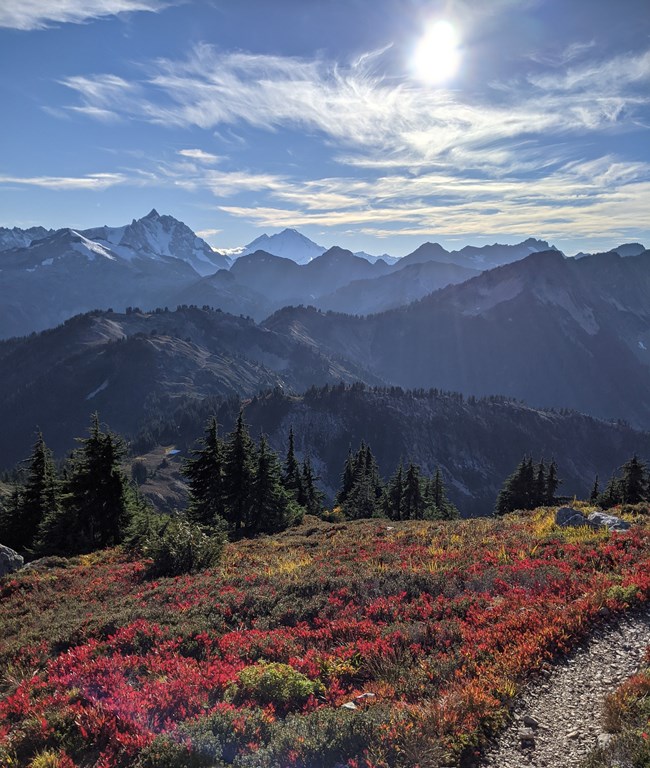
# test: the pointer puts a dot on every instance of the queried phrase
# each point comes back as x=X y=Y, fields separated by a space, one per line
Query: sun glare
x=437 y=55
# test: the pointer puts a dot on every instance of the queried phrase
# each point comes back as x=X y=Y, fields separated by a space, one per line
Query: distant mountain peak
x=153 y=214
x=289 y=244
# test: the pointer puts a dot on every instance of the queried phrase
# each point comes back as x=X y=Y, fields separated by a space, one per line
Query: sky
x=371 y=124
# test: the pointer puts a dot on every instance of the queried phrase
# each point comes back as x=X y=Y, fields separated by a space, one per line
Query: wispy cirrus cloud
x=94 y=181
x=378 y=117
x=518 y=157
x=200 y=156
x=38 y=14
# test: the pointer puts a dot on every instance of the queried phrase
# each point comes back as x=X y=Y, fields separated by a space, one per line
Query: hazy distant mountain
x=154 y=236
x=119 y=363
x=372 y=259
x=69 y=271
x=282 y=281
x=629 y=249
x=21 y=238
x=476 y=257
x=223 y=291
x=553 y=331
x=364 y=297
x=289 y=244
x=626 y=249
x=424 y=253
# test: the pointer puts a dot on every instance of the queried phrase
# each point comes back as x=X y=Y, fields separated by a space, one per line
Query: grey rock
x=10 y=561
x=527 y=739
x=566 y=517
x=604 y=739
x=611 y=522
x=530 y=721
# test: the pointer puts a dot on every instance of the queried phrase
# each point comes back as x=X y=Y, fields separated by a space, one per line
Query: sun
x=437 y=55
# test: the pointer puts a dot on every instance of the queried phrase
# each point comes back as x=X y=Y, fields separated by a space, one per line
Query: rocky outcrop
x=10 y=561
x=567 y=517
x=611 y=522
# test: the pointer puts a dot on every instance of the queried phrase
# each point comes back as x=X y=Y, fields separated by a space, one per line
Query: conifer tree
x=291 y=474
x=393 y=504
x=204 y=471
x=552 y=483
x=439 y=506
x=40 y=494
x=634 y=483
x=365 y=493
x=612 y=495
x=30 y=503
x=273 y=508
x=347 y=479
x=9 y=515
x=239 y=469
x=413 y=503
x=595 y=492
x=312 y=498
x=96 y=504
x=540 y=493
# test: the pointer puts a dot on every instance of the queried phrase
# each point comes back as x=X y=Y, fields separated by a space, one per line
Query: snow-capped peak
x=155 y=237
x=289 y=244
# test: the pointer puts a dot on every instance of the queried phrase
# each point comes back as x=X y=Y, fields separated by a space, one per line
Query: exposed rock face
x=566 y=517
x=610 y=521
x=10 y=561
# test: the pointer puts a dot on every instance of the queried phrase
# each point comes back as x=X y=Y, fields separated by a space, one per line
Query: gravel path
x=557 y=722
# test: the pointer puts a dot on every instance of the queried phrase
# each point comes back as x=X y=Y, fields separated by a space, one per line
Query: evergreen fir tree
x=96 y=503
x=291 y=474
x=347 y=479
x=439 y=506
x=273 y=505
x=595 y=492
x=9 y=517
x=413 y=503
x=239 y=468
x=634 y=483
x=204 y=471
x=552 y=483
x=393 y=506
x=612 y=495
x=313 y=498
x=540 y=491
x=518 y=489
x=365 y=494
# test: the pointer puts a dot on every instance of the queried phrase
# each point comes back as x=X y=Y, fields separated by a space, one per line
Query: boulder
x=611 y=522
x=567 y=517
x=10 y=561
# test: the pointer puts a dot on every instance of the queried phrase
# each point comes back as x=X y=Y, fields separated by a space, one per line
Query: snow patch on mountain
x=99 y=389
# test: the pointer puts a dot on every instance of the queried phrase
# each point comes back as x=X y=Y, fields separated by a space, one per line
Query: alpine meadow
x=325 y=374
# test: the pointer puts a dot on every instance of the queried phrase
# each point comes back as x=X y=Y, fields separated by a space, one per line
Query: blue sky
x=251 y=116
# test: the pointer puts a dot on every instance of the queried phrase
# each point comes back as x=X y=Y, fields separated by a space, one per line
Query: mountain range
x=551 y=330
x=48 y=276
x=555 y=332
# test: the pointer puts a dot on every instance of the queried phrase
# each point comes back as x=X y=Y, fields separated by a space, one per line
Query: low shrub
x=273 y=683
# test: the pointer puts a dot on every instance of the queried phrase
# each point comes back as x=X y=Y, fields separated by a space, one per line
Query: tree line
x=535 y=485
x=237 y=487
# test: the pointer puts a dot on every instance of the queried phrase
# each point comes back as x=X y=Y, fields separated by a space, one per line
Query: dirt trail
x=567 y=703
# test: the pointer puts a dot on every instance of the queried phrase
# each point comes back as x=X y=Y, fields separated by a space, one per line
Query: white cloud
x=432 y=160
x=38 y=14
x=95 y=181
x=200 y=156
